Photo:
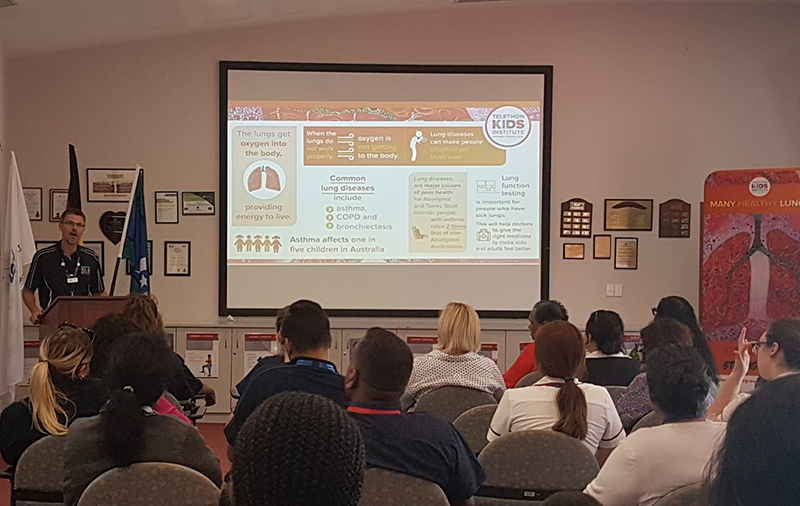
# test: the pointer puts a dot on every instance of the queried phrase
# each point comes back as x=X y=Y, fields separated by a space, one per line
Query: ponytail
x=572 y=410
x=62 y=353
x=48 y=415
x=123 y=429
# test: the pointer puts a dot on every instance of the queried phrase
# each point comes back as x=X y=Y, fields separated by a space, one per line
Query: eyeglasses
x=73 y=224
x=89 y=332
x=757 y=346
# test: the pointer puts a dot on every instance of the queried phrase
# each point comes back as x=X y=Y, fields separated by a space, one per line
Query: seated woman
x=108 y=330
x=634 y=403
x=653 y=462
x=678 y=308
x=455 y=360
x=778 y=354
x=60 y=392
x=544 y=311
x=606 y=361
x=755 y=464
x=142 y=310
x=559 y=401
x=129 y=430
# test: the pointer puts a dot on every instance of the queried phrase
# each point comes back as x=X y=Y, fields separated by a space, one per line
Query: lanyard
x=77 y=269
x=303 y=362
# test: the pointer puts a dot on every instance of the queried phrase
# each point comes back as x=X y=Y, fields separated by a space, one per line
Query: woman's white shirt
x=534 y=408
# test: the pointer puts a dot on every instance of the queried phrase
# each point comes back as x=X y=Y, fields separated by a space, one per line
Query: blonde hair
x=142 y=310
x=459 y=329
x=63 y=352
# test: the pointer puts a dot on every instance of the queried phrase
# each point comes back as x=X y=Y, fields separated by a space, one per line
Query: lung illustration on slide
x=264 y=179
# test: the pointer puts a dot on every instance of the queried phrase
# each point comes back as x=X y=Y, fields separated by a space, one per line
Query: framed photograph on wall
x=198 y=203
x=99 y=248
x=58 y=203
x=33 y=203
x=109 y=185
x=574 y=251
x=602 y=247
x=167 y=207
x=177 y=258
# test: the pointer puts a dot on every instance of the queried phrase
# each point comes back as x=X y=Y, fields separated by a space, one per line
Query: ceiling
x=42 y=26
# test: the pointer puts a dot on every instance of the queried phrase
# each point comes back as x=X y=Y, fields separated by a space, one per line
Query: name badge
x=71 y=280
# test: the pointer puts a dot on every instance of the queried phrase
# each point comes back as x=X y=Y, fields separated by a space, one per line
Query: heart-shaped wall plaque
x=112 y=224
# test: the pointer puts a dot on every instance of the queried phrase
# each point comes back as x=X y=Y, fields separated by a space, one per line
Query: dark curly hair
x=607 y=331
x=755 y=462
x=305 y=441
x=546 y=311
x=678 y=381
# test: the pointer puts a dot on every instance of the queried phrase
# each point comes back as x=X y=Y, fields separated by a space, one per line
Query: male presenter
x=65 y=268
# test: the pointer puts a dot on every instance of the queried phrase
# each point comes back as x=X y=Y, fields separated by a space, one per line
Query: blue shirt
x=300 y=375
x=418 y=444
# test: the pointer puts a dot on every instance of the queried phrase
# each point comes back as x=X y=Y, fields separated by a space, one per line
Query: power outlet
x=618 y=290
x=610 y=290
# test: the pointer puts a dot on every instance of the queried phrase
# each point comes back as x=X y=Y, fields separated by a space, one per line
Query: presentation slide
x=326 y=196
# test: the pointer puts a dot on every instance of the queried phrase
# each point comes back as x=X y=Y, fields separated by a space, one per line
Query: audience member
x=417 y=444
x=634 y=403
x=778 y=354
x=571 y=499
x=678 y=308
x=455 y=360
x=129 y=430
x=267 y=362
x=559 y=401
x=654 y=461
x=544 y=311
x=110 y=329
x=756 y=464
x=298 y=449
x=307 y=340
x=142 y=310
x=60 y=392
x=606 y=361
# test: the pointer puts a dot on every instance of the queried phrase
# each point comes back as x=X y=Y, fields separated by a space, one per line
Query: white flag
x=18 y=250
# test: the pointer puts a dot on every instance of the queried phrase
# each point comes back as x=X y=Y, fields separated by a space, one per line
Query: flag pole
x=125 y=229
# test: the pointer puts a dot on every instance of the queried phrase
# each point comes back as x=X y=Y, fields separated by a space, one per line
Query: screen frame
x=547 y=107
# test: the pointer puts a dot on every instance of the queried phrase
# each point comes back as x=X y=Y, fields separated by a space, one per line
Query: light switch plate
x=610 y=290
x=618 y=290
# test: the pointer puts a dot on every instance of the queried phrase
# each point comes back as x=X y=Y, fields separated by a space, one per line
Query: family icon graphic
x=248 y=243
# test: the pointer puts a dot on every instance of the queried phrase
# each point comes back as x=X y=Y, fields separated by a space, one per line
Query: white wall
x=648 y=99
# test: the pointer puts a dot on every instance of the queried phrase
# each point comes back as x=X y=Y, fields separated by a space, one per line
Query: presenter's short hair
x=72 y=212
x=459 y=329
x=306 y=326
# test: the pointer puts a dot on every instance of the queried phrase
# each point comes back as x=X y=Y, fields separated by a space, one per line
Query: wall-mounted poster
x=626 y=253
x=33 y=203
x=622 y=214
x=576 y=218
x=198 y=203
x=202 y=354
x=109 y=185
x=674 y=218
x=58 y=203
x=259 y=345
x=167 y=207
x=602 y=247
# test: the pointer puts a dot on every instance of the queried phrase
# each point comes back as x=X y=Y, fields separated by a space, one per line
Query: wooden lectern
x=79 y=311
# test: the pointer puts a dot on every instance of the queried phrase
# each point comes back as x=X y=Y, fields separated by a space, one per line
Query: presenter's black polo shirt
x=54 y=274
x=418 y=444
x=300 y=375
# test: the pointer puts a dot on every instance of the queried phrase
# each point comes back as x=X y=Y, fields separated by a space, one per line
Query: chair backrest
x=529 y=379
x=473 y=424
x=40 y=472
x=691 y=495
x=383 y=487
x=651 y=419
x=159 y=483
x=535 y=464
x=451 y=402
x=615 y=392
